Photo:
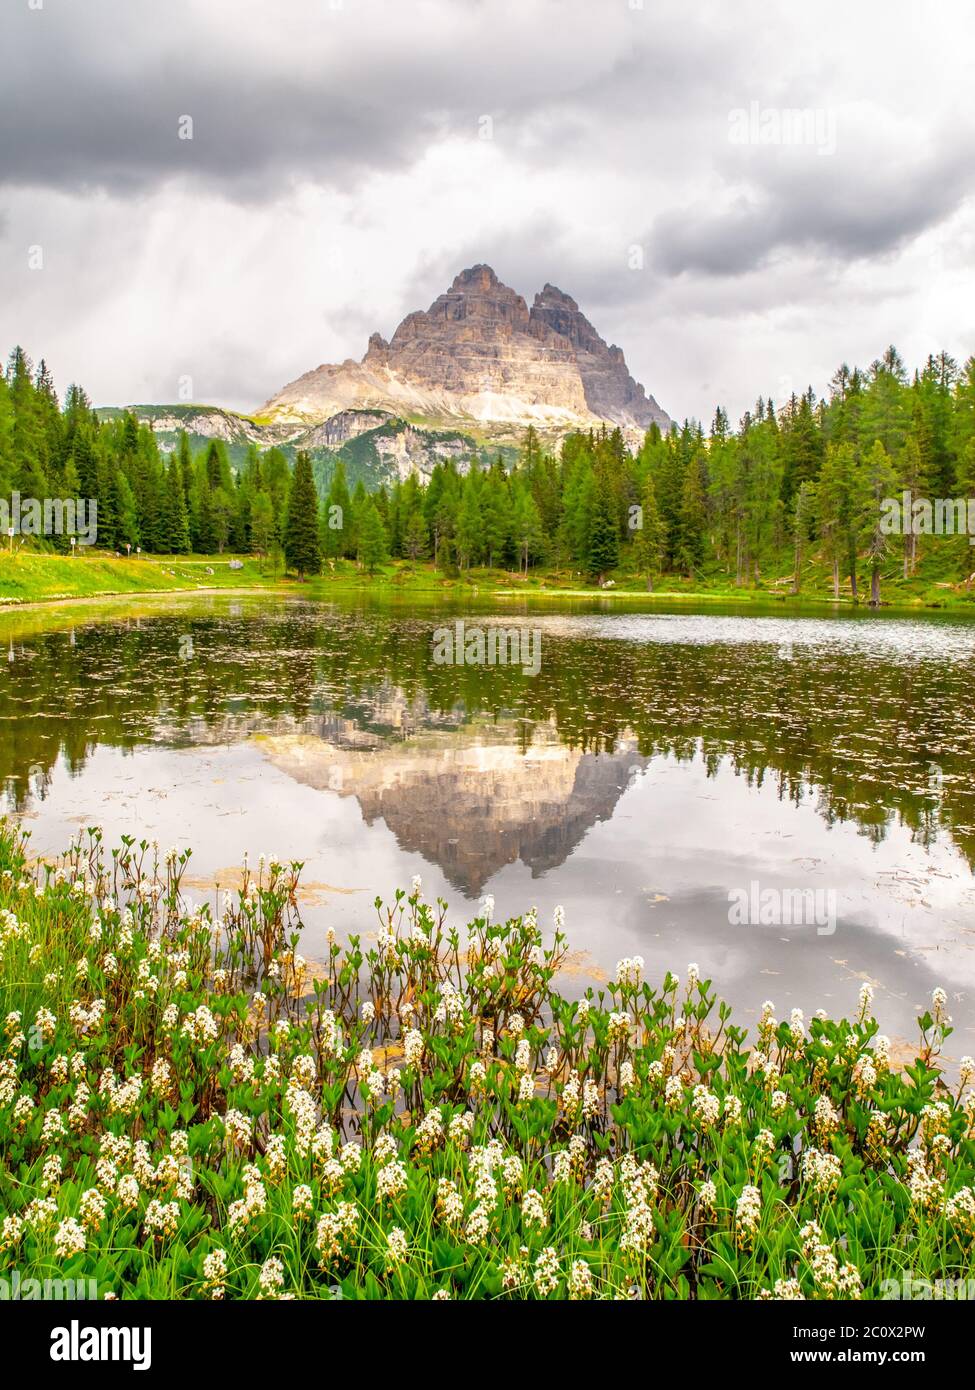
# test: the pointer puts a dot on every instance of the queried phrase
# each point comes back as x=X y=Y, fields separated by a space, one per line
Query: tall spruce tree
x=604 y=542
x=651 y=535
x=373 y=543
x=302 y=549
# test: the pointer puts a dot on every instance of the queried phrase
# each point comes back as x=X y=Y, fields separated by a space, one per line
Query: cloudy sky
x=348 y=157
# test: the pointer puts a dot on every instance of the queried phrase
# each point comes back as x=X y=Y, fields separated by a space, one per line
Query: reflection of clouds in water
x=649 y=876
x=897 y=639
x=656 y=761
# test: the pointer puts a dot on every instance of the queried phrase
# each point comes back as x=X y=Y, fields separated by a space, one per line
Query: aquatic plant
x=190 y=1109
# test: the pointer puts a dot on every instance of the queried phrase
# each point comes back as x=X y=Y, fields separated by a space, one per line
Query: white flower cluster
x=832 y=1279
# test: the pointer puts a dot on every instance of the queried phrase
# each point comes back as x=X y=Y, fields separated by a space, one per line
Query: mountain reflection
x=469 y=804
x=476 y=767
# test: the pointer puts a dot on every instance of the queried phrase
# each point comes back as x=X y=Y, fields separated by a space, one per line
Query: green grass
x=34 y=577
x=936 y=584
x=192 y=1111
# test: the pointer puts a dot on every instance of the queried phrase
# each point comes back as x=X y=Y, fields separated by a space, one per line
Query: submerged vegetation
x=190 y=1109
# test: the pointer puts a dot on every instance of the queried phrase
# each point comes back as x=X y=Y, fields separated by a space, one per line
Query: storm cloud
x=235 y=191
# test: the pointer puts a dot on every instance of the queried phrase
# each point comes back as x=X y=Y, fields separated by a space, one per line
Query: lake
x=656 y=763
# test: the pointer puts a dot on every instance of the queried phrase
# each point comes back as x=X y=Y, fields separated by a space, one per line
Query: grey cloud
x=863 y=205
x=610 y=130
x=79 y=113
x=91 y=93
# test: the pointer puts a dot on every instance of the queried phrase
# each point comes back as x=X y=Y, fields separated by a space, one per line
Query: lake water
x=657 y=762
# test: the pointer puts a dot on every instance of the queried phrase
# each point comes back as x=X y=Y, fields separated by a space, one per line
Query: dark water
x=656 y=762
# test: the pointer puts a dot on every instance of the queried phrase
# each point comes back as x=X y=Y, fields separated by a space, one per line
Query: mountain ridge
x=480 y=356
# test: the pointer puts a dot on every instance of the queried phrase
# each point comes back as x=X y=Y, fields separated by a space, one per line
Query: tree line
x=808 y=477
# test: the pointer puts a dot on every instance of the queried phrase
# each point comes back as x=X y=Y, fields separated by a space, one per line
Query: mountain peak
x=551 y=294
x=479 y=356
x=476 y=277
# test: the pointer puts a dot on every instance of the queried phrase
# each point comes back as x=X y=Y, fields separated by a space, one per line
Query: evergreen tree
x=336 y=515
x=603 y=553
x=693 y=515
x=301 y=545
x=127 y=527
x=262 y=524
x=206 y=526
x=373 y=542
x=803 y=518
x=176 y=520
x=876 y=481
x=527 y=528
x=469 y=529
x=651 y=536
x=415 y=540
x=834 y=510
x=914 y=480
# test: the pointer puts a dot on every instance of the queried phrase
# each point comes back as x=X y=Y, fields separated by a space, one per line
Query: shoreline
x=14 y=605
x=420 y=586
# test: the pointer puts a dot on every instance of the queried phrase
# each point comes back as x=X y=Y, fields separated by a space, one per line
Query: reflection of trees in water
x=878 y=739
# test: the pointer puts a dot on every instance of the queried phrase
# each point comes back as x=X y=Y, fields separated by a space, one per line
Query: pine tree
x=693 y=515
x=262 y=523
x=373 y=543
x=651 y=538
x=803 y=516
x=108 y=510
x=127 y=528
x=221 y=505
x=914 y=480
x=415 y=540
x=469 y=528
x=176 y=520
x=206 y=530
x=301 y=546
x=604 y=544
x=336 y=515
x=965 y=480
x=496 y=515
x=802 y=447
x=875 y=481
x=527 y=528
x=834 y=511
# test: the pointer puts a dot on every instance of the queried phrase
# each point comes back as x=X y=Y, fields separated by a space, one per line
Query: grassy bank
x=191 y=1110
x=32 y=577
x=935 y=585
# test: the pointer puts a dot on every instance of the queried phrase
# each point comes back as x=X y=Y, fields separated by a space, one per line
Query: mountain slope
x=375 y=446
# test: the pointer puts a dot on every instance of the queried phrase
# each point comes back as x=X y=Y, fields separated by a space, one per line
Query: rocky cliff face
x=610 y=391
x=479 y=355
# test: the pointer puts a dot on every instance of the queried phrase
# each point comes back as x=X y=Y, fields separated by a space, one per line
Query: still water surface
x=657 y=761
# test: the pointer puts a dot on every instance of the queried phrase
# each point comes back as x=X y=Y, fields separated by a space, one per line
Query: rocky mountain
x=479 y=357
x=461 y=379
